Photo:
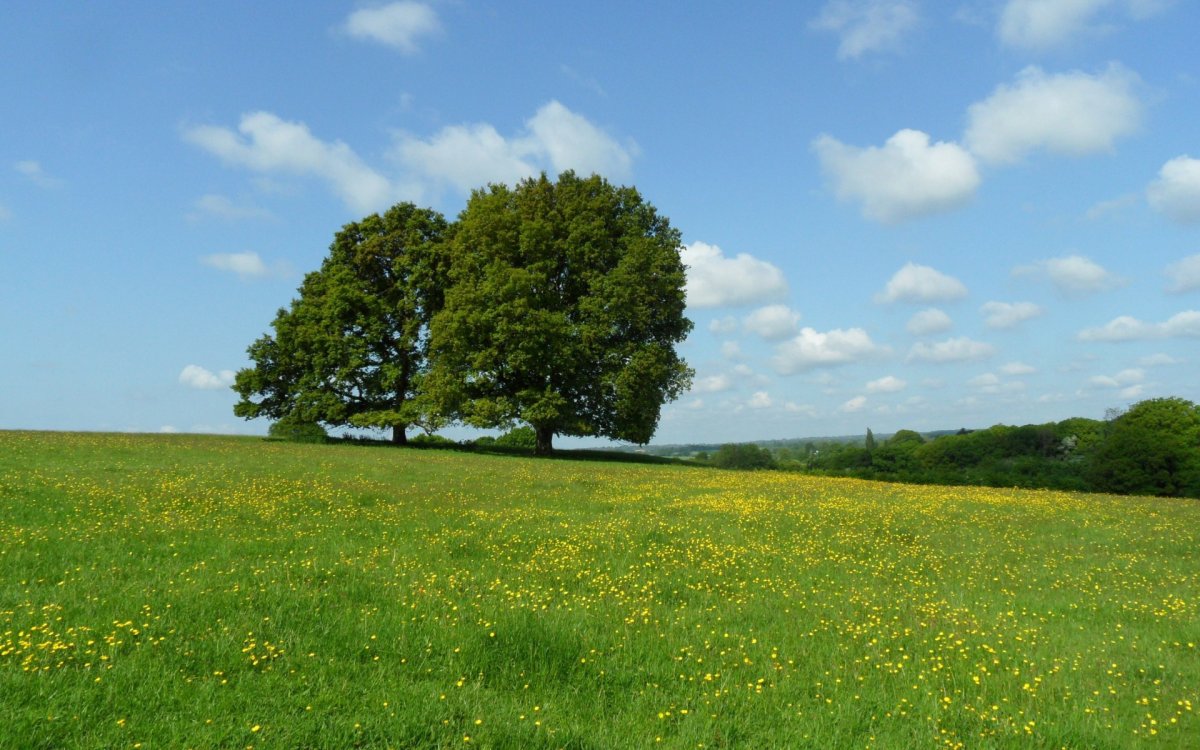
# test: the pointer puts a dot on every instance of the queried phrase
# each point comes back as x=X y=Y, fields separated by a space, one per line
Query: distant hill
x=690 y=449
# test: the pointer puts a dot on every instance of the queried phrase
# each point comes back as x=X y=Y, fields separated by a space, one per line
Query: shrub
x=431 y=440
x=518 y=437
x=297 y=431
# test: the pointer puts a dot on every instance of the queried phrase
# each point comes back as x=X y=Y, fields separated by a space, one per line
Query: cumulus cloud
x=1176 y=192
x=1045 y=24
x=728 y=324
x=1157 y=360
x=220 y=207
x=1008 y=314
x=714 y=280
x=266 y=143
x=1184 y=276
x=916 y=283
x=960 y=349
x=886 y=384
x=1018 y=368
x=905 y=178
x=1127 y=328
x=811 y=349
x=1068 y=113
x=867 y=25
x=246 y=265
x=931 y=320
x=855 y=404
x=195 y=376
x=731 y=350
x=1072 y=274
x=36 y=174
x=399 y=25
x=773 y=322
x=555 y=139
x=462 y=157
x=760 y=400
x=712 y=384
x=1122 y=379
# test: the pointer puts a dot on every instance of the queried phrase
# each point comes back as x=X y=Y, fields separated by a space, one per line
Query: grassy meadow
x=208 y=592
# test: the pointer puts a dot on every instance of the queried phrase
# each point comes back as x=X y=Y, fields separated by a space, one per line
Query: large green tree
x=351 y=349
x=566 y=303
x=1152 y=449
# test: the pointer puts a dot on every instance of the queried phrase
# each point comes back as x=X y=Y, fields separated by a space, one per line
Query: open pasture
x=182 y=591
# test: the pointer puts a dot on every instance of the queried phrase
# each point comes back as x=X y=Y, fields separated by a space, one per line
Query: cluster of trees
x=1152 y=449
x=554 y=304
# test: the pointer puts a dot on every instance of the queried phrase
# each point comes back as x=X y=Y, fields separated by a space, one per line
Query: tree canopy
x=556 y=304
x=1152 y=449
x=351 y=349
x=565 y=305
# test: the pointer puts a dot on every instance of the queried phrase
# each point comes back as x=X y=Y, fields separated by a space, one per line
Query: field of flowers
x=182 y=591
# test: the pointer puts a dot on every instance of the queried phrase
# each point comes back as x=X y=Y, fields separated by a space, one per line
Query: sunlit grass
x=173 y=591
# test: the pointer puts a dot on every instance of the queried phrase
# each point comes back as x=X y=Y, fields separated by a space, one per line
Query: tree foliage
x=556 y=305
x=351 y=349
x=1151 y=449
x=565 y=305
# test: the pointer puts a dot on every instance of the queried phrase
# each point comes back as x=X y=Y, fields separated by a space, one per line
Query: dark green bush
x=518 y=437
x=297 y=431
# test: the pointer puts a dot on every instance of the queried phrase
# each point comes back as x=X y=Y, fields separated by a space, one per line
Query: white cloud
x=986 y=380
x=1045 y=24
x=794 y=408
x=246 y=265
x=1008 y=314
x=1184 y=275
x=1126 y=328
x=773 y=322
x=1072 y=274
x=731 y=350
x=886 y=384
x=267 y=144
x=1122 y=379
x=195 y=376
x=960 y=349
x=855 y=404
x=1157 y=360
x=399 y=25
x=168 y=429
x=1176 y=192
x=1104 y=208
x=916 y=283
x=929 y=321
x=712 y=384
x=714 y=280
x=570 y=141
x=33 y=170
x=1018 y=368
x=222 y=208
x=903 y=179
x=867 y=25
x=728 y=324
x=811 y=349
x=463 y=157
x=1067 y=113
x=760 y=400
x=555 y=139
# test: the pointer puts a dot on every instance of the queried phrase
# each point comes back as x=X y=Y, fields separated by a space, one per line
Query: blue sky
x=896 y=213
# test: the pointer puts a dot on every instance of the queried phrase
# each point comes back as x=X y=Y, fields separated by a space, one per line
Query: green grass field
x=181 y=591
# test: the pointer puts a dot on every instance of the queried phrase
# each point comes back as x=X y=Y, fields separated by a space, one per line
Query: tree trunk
x=545 y=439
x=398 y=434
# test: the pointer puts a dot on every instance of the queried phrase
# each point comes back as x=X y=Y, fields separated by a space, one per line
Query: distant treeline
x=1151 y=449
